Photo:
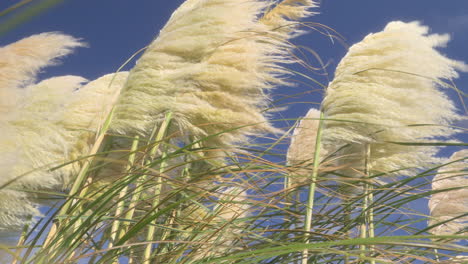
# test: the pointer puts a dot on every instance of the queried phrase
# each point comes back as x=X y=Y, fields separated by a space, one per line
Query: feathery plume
x=302 y=148
x=29 y=137
x=85 y=114
x=36 y=137
x=386 y=84
x=284 y=17
x=446 y=205
x=210 y=67
x=22 y=60
x=56 y=123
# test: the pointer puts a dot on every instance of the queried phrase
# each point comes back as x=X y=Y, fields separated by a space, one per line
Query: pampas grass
x=211 y=72
x=55 y=125
x=168 y=171
x=36 y=144
x=388 y=88
x=301 y=151
x=22 y=60
x=448 y=207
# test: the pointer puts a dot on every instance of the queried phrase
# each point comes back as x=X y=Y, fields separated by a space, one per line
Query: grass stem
x=158 y=189
x=121 y=204
x=312 y=187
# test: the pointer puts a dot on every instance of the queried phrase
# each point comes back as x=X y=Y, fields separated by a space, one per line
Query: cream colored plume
x=211 y=67
x=446 y=205
x=21 y=61
x=301 y=151
x=386 y=84
x=29 y=141
x=56 y=123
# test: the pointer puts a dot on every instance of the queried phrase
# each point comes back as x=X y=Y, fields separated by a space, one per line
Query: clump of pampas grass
x=49 y=124
x=388 y=88
x=20 y=63
x=55 y=125
x=211 y=67
x=448 y=206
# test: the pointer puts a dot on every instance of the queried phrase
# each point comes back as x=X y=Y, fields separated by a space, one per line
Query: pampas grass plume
x=31 y=140
x=446 y=205
x=56 y=123
x=302 y=148
x=210 y=67
x=21 y=61
x=285 y=16
x=386 y=83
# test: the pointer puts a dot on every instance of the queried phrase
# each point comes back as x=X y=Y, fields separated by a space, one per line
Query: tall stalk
x=77 y=189
x=123 y=193
x=312 y=187
x=157 y=192
x=367 y=226
x=21 y=241
x=371 y=221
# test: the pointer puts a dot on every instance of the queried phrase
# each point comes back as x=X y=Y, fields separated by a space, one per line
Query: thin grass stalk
x=365 y=229
x=14 y=7
x=139 y=186
x=347 y=218
x=79 y=221
x=78 y=183
x=312 y=187
x=20 y=243
x=152 y=229
x=436 y=255
x=370 y=200
x=74 y=191
x=98 y=247
x=371 y=221
x=123 y=193
x=28 y=13
x=165 y=234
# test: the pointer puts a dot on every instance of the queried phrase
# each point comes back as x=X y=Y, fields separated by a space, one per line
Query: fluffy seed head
x=56 y=123
x=21 y=61
x=302 y=148
x=446 y=205
x=210 y=66
x=386 y=83
x=284 y=17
